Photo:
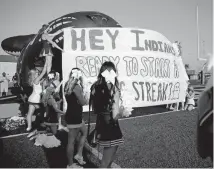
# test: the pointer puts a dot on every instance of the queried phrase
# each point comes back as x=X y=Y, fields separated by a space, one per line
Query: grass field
x=152 y=141
x=155 y=141
x=167 y=140
x=19 y=152
x=9 y=110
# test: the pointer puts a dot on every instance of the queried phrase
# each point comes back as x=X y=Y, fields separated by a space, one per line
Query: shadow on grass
x=19 y=152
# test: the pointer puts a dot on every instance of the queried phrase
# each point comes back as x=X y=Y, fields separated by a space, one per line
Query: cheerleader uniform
x=108 y=130
x=75 y=100
x=51 y=115
x=35 y=97
x=46 y=50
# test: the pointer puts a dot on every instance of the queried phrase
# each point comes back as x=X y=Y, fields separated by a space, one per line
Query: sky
x=175 y=19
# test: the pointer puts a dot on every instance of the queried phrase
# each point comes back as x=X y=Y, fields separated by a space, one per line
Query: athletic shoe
x=74 y=165
x=79 y=159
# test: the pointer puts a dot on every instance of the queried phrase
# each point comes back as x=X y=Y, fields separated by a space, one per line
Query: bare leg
x=53 y=129
x=176 y=106
x=185 y=107
x=60 y=121
x=72 y=134
x=108 y=152
x=113 y=157
x=49 y=63
x=171 y=107
x=82 y=139
x=31 y=110
x=182 y=105
x=61 y=126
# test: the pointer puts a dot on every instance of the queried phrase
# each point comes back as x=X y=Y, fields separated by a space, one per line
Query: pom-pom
x=13 y=123
x=125 y=111
x=47 y=141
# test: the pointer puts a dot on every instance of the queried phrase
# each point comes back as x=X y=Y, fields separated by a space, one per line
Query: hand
x=63 y=112
x=81 y=79
x=44 y=91
x=117 y=117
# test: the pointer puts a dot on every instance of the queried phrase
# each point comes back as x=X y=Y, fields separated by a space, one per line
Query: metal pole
x=198 y=37
x=198 y=45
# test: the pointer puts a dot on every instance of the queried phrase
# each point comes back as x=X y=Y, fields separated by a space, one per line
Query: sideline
x=128 y=118
x=15 y=135
x=93 y=155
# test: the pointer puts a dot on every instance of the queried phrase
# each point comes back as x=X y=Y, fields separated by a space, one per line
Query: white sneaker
x=80 y=159
x=32 y=133
x=28 y=129
x=74 y=165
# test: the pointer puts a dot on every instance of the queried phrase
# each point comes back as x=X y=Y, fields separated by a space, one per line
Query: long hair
x=31 y=76
x=107 y=94
x=46 y=96
x=70 y=84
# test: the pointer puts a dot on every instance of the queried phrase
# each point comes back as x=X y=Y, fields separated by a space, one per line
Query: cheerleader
x=48 y=43
x=35 y=80
x=74 y=97
x=53 y=85
x=105 y=94
x=51 y=103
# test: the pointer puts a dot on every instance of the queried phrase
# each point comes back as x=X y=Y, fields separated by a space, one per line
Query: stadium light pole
x=198 y=47
x=198 y=37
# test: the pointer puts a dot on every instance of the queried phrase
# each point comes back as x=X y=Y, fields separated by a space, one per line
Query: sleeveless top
x=51 y=114
x=46 y=49
x=35 y=97
x=74 y=109
x=101 y=105
x=100 y=102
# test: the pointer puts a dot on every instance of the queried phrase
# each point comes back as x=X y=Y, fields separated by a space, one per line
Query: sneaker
x=28 y=129
x=79 y=159
x=33 y=137
x=32 y=133
x=74 y=165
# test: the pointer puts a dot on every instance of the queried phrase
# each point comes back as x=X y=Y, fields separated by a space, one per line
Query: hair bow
x=51 y=76
x=76 y=73
x=109 y=76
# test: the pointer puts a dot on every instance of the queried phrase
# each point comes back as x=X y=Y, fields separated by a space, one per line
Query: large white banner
x=149 y=70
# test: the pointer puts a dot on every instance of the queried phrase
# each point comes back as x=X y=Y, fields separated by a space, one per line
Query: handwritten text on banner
x=149 y=71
